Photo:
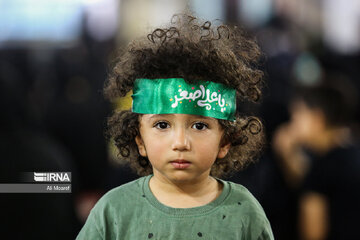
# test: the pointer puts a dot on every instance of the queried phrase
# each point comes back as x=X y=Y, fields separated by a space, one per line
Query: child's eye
x=200 y=126
x=161 y=125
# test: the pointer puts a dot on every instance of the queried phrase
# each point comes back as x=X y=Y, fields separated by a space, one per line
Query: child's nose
x=180 y=141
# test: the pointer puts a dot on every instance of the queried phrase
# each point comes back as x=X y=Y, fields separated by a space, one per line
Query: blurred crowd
x=53 y=112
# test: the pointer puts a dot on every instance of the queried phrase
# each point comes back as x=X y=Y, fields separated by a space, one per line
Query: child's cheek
x=156 y=149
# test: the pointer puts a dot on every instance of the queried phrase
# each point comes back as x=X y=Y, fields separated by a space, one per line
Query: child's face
x=180 y=147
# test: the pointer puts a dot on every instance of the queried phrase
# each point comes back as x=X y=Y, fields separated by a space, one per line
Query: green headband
x=174 y=95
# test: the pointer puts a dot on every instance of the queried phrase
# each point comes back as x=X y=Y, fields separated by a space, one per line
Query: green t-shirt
x=132 y=212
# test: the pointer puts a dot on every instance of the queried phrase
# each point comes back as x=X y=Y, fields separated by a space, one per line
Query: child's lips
x=180 y=164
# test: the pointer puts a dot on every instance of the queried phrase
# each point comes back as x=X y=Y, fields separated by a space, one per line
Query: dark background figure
x=322 y=157
x=52 y=121
x=26 y=146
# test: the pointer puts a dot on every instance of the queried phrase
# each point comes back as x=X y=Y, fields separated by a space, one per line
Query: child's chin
x=182 y=177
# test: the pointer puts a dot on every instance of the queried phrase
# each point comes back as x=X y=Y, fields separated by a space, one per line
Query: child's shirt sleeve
x=91 y=229
x=267 y=233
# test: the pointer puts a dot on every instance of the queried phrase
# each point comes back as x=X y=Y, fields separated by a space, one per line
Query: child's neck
x=185 y=194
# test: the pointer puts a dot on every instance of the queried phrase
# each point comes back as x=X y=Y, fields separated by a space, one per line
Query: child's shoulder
x=241 y=196
x=247 y=211
x=127 y=192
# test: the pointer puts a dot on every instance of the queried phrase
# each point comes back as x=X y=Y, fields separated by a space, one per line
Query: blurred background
x=54 y=59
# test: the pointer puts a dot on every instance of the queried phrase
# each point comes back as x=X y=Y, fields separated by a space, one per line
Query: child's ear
x=224 y=150
x=141 y=145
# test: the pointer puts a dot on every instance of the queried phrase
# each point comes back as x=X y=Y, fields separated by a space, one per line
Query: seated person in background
x=329 y=175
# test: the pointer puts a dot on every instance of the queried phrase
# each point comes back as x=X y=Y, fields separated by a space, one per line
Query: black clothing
x=336 y=175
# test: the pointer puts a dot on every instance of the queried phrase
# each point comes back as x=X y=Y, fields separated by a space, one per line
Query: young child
x=181 y=134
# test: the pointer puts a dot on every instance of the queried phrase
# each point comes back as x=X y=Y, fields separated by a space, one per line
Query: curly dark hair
x=194 y=51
